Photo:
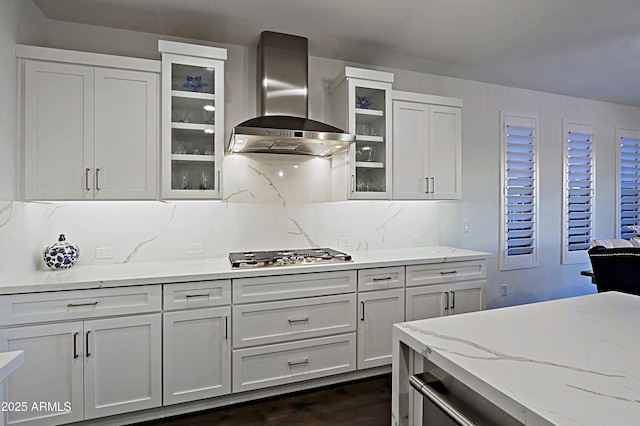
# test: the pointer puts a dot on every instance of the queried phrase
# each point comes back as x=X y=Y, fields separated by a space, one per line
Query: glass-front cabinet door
x=192 y=120
x=370 y=159
x=362 y=105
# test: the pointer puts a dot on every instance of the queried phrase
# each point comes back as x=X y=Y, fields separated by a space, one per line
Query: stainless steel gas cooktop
x=310 y=256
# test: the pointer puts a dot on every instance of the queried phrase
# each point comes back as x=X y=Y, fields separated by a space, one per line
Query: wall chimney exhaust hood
x=283 y=127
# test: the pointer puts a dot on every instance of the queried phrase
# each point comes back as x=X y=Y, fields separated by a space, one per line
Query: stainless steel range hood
x=283 y=127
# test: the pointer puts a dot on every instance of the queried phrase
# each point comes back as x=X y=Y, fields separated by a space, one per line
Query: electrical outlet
x=105 y=252
x=503 y=290
x=344 y=241
x=195 y=248
x=416 y=238
x=465 y=226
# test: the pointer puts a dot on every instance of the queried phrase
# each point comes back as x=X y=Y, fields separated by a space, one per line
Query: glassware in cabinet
x=193 y=120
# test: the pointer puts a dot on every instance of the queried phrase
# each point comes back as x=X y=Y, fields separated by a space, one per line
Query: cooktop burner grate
x=286 y=257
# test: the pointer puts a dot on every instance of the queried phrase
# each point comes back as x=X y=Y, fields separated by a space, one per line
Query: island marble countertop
x=117 y=275
x=572 y=362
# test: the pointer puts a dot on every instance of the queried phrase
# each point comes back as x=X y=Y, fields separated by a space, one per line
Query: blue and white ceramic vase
x=61 y=255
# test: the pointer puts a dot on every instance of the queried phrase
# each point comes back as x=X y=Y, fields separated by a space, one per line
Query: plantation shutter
x=578 y=205
x=519 y=193
x=629 y=181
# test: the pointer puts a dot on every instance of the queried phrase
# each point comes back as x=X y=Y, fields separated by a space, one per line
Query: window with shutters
x=629 y=184
x=579 y=192
x=519 y=206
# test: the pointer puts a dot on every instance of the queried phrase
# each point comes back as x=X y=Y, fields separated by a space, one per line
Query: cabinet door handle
x=362 y=317
x=75 y=305
x=75 y=345
x=453 y=300
x=87 y=354
x=426 y=185
x=433 y=185
x=86 y=179
x=218 y=188
x=302 y=362
x=305 y=319
x=97 y=179
x=446 y=300
x=226 y=327
x=353 y=183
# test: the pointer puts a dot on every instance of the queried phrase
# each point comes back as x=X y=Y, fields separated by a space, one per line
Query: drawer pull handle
x=305 y=319
x=75 y=305
x=448 y=272
x=75 y=345
x=382 y=279
x=303 y=362
x=87 y=344
x=197 y=295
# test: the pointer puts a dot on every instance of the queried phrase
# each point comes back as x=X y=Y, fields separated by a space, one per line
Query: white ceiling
x=584 y=48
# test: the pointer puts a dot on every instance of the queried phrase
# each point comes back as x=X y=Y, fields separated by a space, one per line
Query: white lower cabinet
x=84 y=369
x=79 y=364
x=380 y=305
x=436 y=290
x=52 y=372
x=291 y=328
x=197 y=354
x=272 y=365
x=122 y=365
x=197 y=340
x=379 y=310
x=287 y=320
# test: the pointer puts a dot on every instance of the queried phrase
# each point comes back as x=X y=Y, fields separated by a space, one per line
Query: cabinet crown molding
x=86 y=58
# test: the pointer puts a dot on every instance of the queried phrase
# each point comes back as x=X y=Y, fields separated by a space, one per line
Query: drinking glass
x=206 y=180
x=184 y=177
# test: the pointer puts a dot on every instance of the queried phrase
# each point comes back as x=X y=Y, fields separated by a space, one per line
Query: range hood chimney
x=283 y=127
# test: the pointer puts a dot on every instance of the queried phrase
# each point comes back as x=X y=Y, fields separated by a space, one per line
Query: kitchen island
x=565 y=362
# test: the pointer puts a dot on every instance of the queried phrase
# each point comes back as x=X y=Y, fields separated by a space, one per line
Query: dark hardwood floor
x=364 y=402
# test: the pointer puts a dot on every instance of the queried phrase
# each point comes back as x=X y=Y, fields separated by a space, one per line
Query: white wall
x=262 y=210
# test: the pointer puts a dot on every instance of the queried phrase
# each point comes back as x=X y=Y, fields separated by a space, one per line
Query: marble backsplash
x=269 y=202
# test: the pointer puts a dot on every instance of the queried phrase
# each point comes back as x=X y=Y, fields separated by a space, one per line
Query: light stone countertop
x=10 y=362
x=117 y=275
x=567 y=362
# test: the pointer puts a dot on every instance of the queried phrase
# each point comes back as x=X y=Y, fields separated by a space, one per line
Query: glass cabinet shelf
x=192 y=157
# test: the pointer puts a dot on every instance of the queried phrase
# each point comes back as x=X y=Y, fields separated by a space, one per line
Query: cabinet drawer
x=439 y=273
x=76 y=304
x=380 y=278
x=284 y=363
x=281 y=287
x=200 y=294
x=282 y=321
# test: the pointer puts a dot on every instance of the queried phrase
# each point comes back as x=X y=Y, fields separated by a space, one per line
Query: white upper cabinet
x=427 y=147
x=361 y=104
x=89 y=125
x=192 y=120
